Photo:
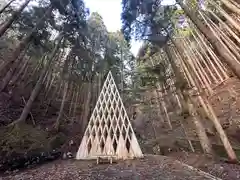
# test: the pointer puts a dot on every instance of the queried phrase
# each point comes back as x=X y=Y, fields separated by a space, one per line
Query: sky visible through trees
x=110 y=10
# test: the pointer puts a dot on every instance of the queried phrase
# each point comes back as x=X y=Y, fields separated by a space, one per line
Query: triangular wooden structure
x=109 y=131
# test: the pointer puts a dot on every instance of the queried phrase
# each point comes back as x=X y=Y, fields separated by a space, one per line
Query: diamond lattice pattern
x=109 y=131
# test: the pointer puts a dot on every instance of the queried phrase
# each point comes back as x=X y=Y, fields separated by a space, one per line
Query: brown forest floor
x=150 y=167
x=219 y=169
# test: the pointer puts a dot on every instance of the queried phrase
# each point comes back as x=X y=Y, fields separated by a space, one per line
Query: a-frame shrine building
x=109 y=131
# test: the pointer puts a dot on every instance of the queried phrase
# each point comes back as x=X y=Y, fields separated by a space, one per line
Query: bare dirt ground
x=218 y=168
x=148 y=168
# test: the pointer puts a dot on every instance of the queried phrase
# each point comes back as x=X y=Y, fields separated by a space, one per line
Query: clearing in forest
x=147 y=168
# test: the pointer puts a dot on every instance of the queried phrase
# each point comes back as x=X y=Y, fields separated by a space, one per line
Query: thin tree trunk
x=86 y=107
x=72 y=100
x=159 y=103
x=212 y=55
x=236 y=3
x=37 y=67
x=18 y=75
x=76 y=101
x=226 y=143
x=231 y=6
x=152 y=123
x=202 y=79
x=39 y=83
x=209 y=26
x=53 y=95
x=65 y=76
x=210 y=71
x=65 y=91
x=12 y=70
x=232 y=46
x=211 y=115
x=176 y=95
x=158 y=106
x=213 y=39
x=204 y=141
x=230 y=20
x=184 y=106
x=202 y=71
x=6 y=6
x=48 y=79
x=223 y=35
x=23 y=76
x=199 y=64
x=164 y=106
x=58 y=94
x=58 y=58
x=190 y=67
x=70 y=91
x=99 y=83
x=50 y=86
x=186 y=135
x=14 y=16
x=22 y=45
x=208 y=60
x=231 y=32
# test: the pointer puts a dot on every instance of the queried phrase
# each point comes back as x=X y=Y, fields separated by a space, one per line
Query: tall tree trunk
x=152 y=123
x=211 y=115
x=230 y=20
x=72 y=100
x=224 y=37
x=213 y=39
x=211 y=54
x=236 y=3
x=52 y=97
x=231 y=6
x=20 y=73
x=199 y=75
x=226 y=143
x=163 y=104
x=204 y=141
x=87 y=102
x=208 y=60
x=6 y=6
x=49 y=87
x=12 y=70
x=231 y=45
x=76 y=100
x=184 y=106
x=157 y=98
x=22 y=45
x=199 y=57
x=14 y=16
x=160 y=102
x=65 y=76
x=39 y=83
x=224 y=24
x=65 y=91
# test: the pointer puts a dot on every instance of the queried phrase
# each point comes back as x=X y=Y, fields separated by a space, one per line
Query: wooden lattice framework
x=109 y=131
